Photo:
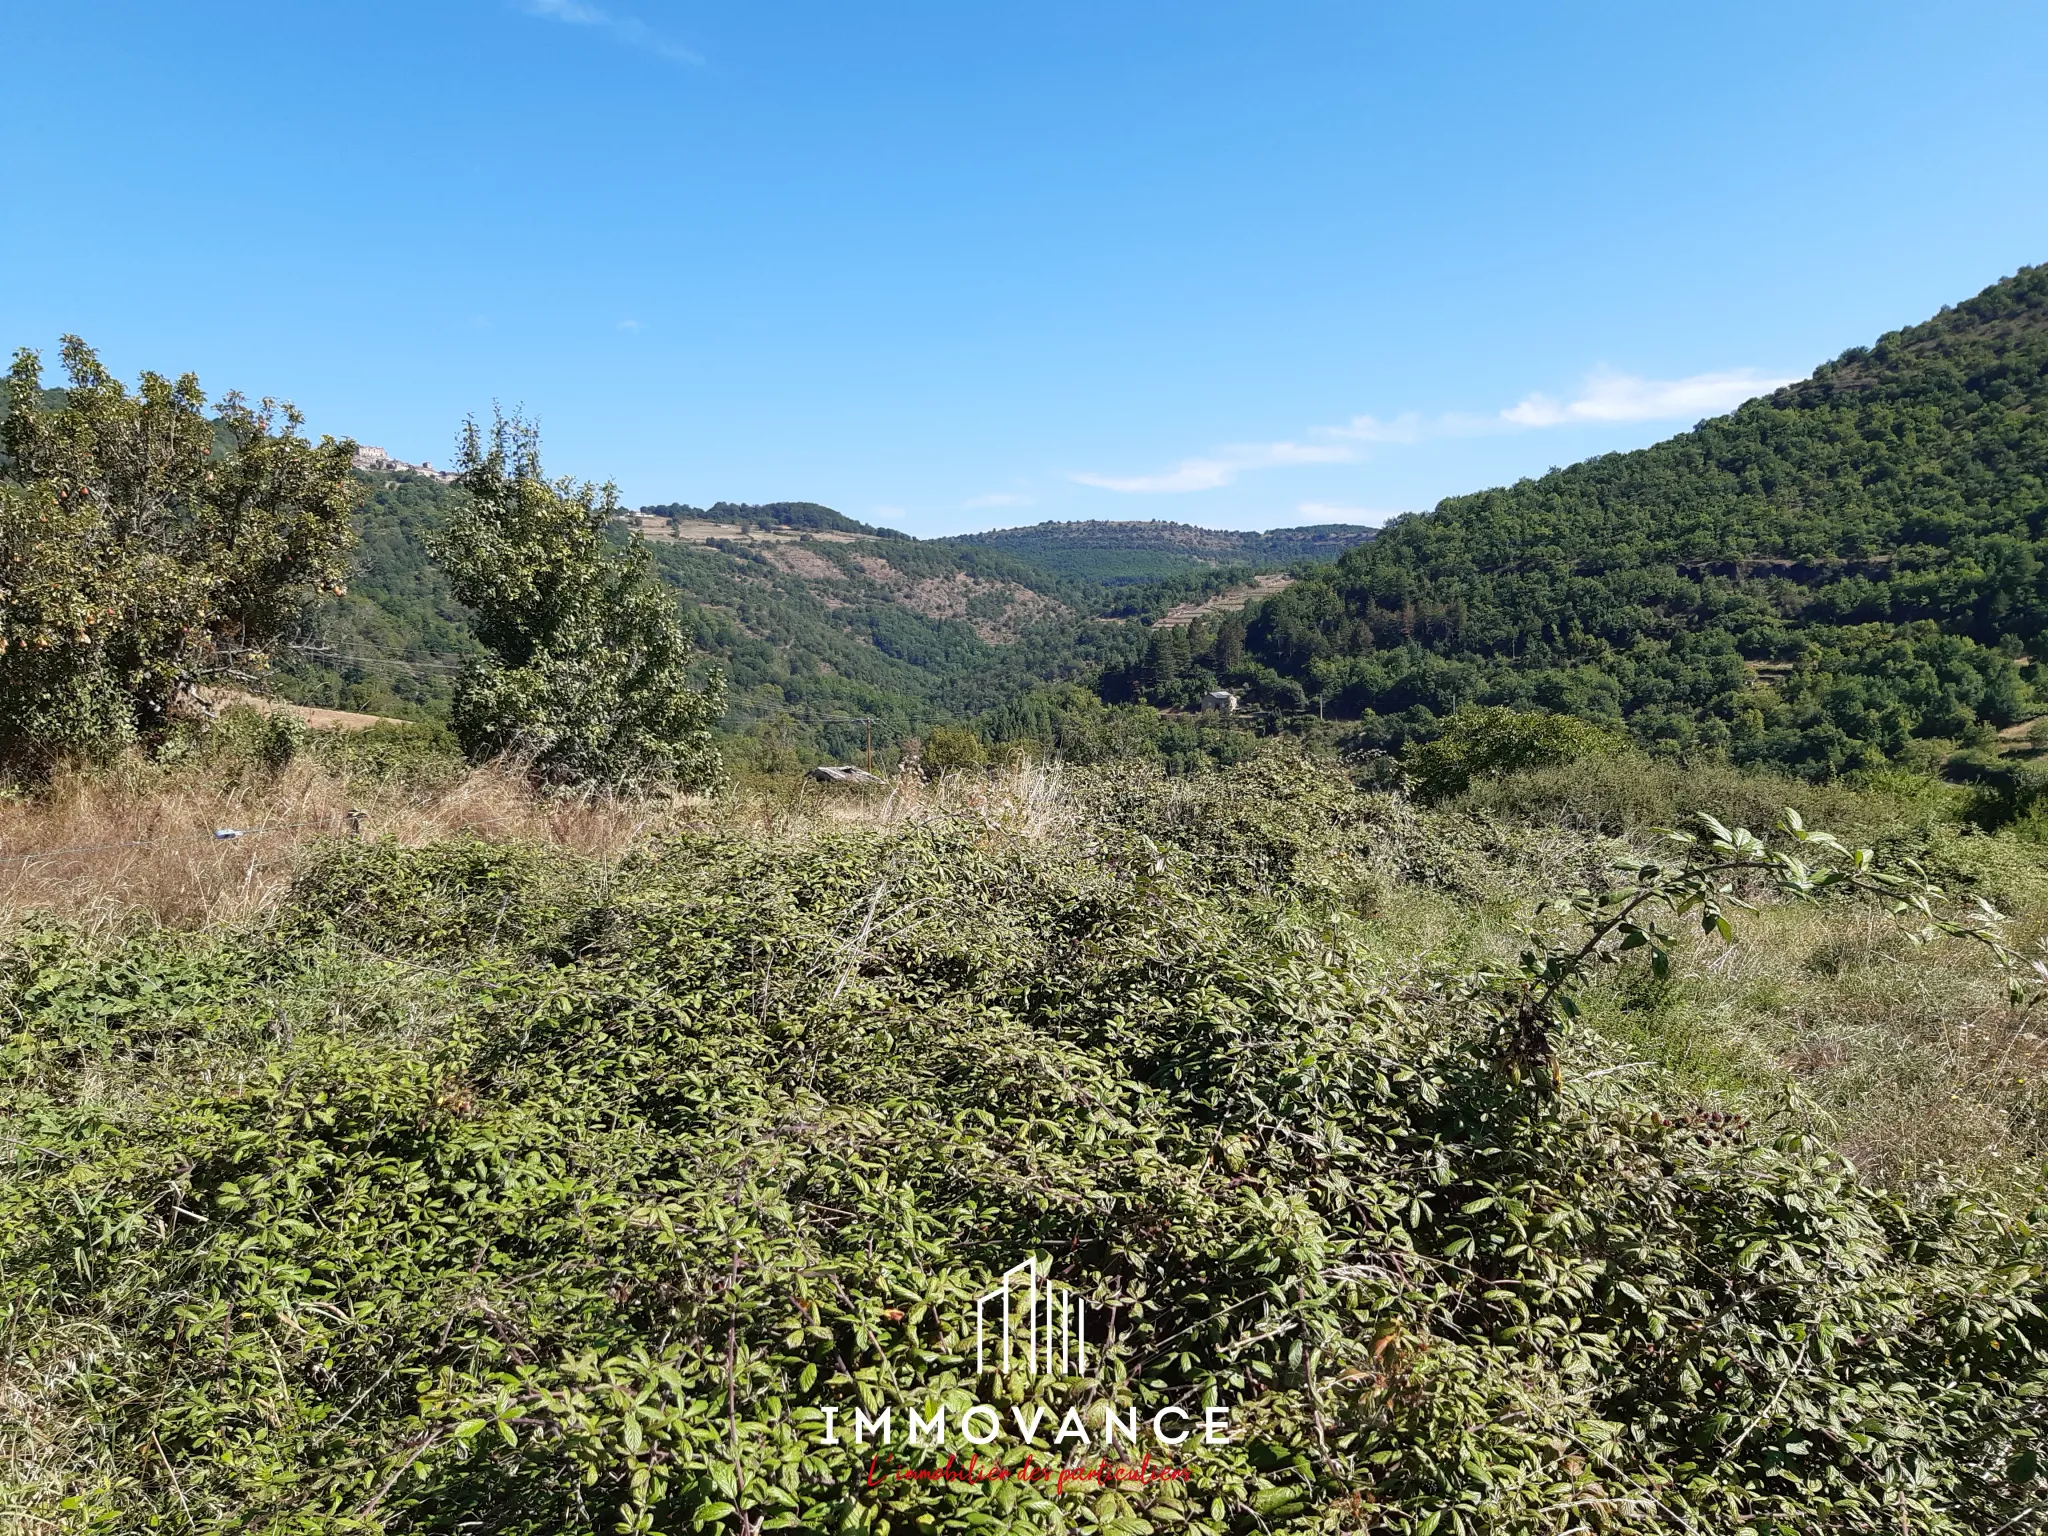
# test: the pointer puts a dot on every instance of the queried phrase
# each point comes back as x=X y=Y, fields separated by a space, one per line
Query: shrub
x=1622 y=795
x=529 y=1197
x=418 y=755
x=588 y=681
x=1484 y=743
x=950 y=748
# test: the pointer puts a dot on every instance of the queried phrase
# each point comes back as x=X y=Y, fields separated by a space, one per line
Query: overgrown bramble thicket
x=489 y=1188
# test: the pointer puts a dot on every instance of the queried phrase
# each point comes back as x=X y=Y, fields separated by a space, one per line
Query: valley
x=1575 y=1023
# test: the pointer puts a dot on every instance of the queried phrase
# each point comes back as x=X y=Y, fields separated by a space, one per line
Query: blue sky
x=962 y=265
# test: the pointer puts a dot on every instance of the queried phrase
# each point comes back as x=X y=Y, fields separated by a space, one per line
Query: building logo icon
x=1031 y=1323
x=1042 y=1325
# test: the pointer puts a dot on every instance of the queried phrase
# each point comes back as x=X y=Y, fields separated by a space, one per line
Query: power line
x=217 y=835
x=312 y=653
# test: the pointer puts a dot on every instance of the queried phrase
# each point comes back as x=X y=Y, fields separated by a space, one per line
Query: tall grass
x=138 y=842
x=1910 y=1058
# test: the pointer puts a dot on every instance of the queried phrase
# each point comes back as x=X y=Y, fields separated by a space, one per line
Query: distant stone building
x=1222 y=700
x=375 y=461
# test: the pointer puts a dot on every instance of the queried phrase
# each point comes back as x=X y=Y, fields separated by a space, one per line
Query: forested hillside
x=1847 y=572
x=811 y=614
x=1844 y=574
x=1146 y=551
x=836 y=623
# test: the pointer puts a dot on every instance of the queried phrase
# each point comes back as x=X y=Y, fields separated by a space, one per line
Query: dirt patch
x=315 y=718
x=1232 y=601
x=798 y=561
x=940 y=597
x=1002 y=607
x=1026 y=607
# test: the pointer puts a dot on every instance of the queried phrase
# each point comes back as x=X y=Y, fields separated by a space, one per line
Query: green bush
x=420 y=756
x=1485 y=743
x=392 y=900
x=242 y=736
x=1625 y=795
x=950 y=749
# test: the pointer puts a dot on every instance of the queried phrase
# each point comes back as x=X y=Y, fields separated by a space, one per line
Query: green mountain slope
x=839 y=622
x=811 y=614
x=1147 y=551
x=1846 y=572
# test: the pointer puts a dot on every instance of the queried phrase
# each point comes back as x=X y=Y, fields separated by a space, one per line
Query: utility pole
x=870 y=724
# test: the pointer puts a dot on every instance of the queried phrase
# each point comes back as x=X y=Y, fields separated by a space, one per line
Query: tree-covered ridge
x=1819 y=579
x=816 y=619
x=906 y=631
x=808 y=515
x=1129 y=552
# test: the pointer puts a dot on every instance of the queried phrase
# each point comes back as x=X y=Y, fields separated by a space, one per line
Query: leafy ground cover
x=543 y=1183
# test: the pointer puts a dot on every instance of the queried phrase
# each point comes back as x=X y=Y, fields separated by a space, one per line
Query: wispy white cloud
x=1408 y=427
x=1221 y=468
x=1608 y=397
x=629 y=325
x=888 y=514
x=998 y=499
x=627 y=29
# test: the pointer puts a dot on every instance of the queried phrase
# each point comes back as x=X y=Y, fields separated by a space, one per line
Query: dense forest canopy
x=1819 y=580
x=1133 y=552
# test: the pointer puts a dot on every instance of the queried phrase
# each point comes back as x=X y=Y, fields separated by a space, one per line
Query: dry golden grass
x=104 y=849
x=107 y=849
x=1912 y=1059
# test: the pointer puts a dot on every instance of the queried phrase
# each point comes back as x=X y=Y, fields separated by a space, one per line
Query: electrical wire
x=217 y=835
x=308 y=653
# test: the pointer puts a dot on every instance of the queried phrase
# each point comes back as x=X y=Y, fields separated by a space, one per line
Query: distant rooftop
x=376 y=461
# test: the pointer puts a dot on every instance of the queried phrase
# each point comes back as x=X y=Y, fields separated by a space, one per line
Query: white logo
x=1042 y=1328
x=1052 y=1318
